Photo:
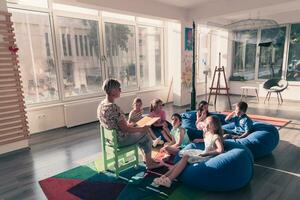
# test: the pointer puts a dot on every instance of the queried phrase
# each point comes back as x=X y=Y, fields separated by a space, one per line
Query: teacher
x=111 y=117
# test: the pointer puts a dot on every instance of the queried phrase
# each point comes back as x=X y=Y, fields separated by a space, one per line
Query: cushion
x=262 y=141
x=230 y=170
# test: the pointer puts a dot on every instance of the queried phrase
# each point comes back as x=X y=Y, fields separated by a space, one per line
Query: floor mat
x=91 y=182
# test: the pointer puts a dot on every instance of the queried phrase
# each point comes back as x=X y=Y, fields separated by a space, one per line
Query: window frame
x=53 y=15
x=285 y=54
x=56 y=15
x=53 y=42
x=162 y=53
x=199 y=50
x=112 y=21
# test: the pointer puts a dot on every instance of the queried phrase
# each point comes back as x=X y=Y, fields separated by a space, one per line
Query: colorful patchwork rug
x=91 y=182
x=278 y=122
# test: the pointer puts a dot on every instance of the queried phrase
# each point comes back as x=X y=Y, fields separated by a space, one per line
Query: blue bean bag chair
x=262 y=141
x=189 y=120
x=228 y=171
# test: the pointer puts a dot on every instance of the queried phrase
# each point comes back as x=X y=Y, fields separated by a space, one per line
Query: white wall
x=291 y=93
x=213 y=8
x=173 y=59
x=3 y=6
x=143 y=7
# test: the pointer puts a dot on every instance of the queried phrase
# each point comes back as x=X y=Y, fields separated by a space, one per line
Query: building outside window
x=38 y=71
x=69 y=44
x=81 y=74
x=120 y=52
x=64 y=44
x=78 y=51
x=76 y=45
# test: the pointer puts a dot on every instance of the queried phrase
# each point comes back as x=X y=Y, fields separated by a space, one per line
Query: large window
x=81 y=71
x=244 y=51
x=204 y=46
x=38 y=70
x=271 y=53
x=83 y=54
x=150 y=56
x=293 y=68
x=120 y=51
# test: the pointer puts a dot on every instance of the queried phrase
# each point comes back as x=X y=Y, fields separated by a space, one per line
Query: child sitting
x=162 y=127
x=241 y=124
x=202 y=113
x=136 y=114
x=213 y=139
x=179 y=136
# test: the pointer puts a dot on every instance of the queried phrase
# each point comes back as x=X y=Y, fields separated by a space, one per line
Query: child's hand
x=163 y=149
x=131 y=124
x=165 y=125
x=233 y=113
x=203 y=115
x=200 y=155
x=236 y=137
x=199 y=114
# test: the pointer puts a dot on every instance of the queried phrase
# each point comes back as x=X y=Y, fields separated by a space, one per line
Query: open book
x=147 y=121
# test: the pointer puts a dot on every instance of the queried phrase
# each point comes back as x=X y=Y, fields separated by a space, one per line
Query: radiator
x=81 y=112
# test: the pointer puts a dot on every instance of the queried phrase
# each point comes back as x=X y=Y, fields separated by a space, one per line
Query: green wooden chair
x=117 y=159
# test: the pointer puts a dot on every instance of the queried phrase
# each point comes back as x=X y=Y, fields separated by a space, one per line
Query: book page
x=147 y=121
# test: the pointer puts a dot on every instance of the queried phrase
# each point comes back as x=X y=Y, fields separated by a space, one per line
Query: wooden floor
x=276 y=177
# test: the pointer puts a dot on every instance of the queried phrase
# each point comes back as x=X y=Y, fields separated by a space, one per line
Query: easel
x=217 y=90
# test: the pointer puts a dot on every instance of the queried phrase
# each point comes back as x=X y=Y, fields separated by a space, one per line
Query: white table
x=245 y=90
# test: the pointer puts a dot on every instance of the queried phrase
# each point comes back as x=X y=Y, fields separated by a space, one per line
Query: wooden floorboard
x=275 y=176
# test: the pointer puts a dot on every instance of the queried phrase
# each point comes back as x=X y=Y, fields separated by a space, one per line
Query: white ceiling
x=228 y=11
x=182 y=3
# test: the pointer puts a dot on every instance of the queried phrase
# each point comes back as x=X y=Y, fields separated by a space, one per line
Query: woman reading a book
x=111 y=117
x=213 y=139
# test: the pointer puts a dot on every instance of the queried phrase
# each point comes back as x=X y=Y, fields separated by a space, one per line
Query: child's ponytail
x=154 y=104
x=217 y=124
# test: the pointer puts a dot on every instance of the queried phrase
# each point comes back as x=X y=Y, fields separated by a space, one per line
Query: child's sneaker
x=155 y=142
x=160 y=141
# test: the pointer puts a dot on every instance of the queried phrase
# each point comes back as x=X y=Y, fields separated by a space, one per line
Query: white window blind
x=13 y=122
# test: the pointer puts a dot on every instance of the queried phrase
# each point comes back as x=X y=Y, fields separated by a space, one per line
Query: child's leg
x=152 y=134
x=178 y=168
x=166 y=135
x=172 y=150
